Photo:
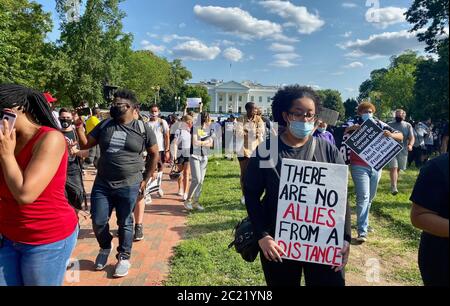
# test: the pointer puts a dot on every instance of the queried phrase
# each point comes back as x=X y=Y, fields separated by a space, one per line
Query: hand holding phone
x=11 y=118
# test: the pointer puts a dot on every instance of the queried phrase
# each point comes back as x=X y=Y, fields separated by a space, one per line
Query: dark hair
x=30 y=101
x=249 y=105
x=64 y=110
x=95 y=110
x=284 y=98
x=203 y=117
x=126 y=95
x=153 y=105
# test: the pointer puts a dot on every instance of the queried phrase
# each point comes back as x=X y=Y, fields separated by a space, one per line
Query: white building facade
x=231 y=97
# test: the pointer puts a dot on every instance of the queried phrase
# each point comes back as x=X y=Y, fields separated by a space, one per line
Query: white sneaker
x=185 y=197
x=160 y=193
x=243 y=200
x=180 y=193
x=148 y=200
x=198 y=207
x=188 y=205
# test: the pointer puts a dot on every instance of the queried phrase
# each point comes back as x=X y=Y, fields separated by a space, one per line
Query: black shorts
x=182 y=160
x=243 y=158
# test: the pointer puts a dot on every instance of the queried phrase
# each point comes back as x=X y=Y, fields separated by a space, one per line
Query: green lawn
x=203 y=259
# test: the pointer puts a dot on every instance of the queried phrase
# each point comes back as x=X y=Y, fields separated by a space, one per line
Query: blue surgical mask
x=321 y=130
x=301 y=130
x=366 y=116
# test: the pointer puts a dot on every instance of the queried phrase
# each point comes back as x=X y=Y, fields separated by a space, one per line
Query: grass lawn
x=203 y=258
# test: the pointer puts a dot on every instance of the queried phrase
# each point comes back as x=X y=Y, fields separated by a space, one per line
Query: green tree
x=350 y=106
x=178 y=77
x=432 y=14
x=25 y=57
x=332 y=99
x=197 y=91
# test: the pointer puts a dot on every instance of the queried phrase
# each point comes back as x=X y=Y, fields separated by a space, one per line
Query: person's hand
x=270 y=249
x=345 y=252
x=142 y=187
x=387 y=134
x=7 y=140
x=410 y=148
x=167 y=156
x=154 y=176
x=77 y=120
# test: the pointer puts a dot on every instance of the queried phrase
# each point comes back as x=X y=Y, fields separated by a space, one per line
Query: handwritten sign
x=372 y=146
x=194 y=102
x=312 y=204
x=329 y=116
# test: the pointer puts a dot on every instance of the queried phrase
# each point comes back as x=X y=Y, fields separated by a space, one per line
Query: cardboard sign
x=372 y=146
x=329 y=116
x=194 y=102
x=312 y=203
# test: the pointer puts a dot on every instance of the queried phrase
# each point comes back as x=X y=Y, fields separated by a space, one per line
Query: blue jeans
x=366 y=183
x=35 y=265
x=104 y=199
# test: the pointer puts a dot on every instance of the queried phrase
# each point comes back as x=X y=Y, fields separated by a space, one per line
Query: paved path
x=164 y=227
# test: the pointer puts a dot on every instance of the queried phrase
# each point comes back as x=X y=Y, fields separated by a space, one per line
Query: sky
x=321 y=43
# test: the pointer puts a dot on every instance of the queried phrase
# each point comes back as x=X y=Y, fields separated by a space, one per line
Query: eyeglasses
x=305 y=116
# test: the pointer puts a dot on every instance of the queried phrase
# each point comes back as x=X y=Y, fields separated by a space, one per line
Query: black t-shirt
x=73 y=165
x=431 y=192
x=121 y=145
x=259 y=180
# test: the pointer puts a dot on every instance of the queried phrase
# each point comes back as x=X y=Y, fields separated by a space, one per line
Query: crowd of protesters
x=43 y=157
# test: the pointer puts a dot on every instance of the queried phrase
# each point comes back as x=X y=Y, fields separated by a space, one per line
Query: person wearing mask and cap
x=321 y=132
x=52 y=102
x=399 y=162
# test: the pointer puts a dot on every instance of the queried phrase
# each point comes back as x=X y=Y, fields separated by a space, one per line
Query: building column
x=226 y=102
x=216 y=102
x=237 y=102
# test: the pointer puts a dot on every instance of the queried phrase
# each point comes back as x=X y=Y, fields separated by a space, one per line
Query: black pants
x=433 y=261
x=289 y=273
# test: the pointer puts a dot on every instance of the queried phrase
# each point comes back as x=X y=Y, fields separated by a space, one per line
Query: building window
x=220 y=98
x=230 y=98
x=220 y=109
x=269 y=99
x=260 y=99
x=240 y=109
x=240 y=98
x=252 y=99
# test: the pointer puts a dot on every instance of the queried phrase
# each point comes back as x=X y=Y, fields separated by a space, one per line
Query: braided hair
x=30 y=101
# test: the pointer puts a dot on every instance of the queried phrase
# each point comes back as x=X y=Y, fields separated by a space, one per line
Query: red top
x=355 y=160
x=48 y=219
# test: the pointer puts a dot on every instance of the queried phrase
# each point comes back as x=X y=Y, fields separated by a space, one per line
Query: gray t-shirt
x=120 y=164
x=406 y=129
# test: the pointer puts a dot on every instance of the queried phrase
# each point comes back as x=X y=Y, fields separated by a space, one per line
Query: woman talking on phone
x=38 y=227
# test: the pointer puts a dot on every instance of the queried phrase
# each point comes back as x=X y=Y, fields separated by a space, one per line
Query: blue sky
x=324 y=43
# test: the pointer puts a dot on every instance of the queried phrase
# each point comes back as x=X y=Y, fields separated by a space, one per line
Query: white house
x=231 y=97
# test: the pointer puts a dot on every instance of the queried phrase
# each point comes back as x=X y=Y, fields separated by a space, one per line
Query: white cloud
x=233 y=54
x=146 y=45
x=387 y=44
x=314 y=86
x=349 y=5
x=172 y=37
x=283 y=64
x=152 y=35
x=349 y=89
x=386 y=16
x=347 y=34
x=286 y=56
x=299 y=16
x=195 y=50
x=354 y=54
x=276 y=47
x=354 y=65
x=237 y=21
x=283 y=38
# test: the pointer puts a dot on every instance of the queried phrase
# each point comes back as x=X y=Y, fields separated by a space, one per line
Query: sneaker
x=160 y=193
x=185 y=197
x=394 y=190
x=138 y=232
x=122 y=268
x=180 y=193
x=361 y=238
x=188 y=205
x=198 y=207
x=243 y=200
x=148 y=200
x=370 y=230
x=102 y=258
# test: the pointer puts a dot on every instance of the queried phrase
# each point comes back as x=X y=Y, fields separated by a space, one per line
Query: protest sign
x=372 y=146
x=329 y=116
x=194 y=102
x=312 y=204
x=153 y=185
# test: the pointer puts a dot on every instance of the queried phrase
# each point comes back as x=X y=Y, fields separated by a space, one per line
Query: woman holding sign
x=364 y=176
x=294 y=108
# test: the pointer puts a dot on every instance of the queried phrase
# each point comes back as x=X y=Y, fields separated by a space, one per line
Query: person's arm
x=85 y=142
x=429 y=221
x=352 y=128
x=411 y=139
x=26 y=186
x=390 y=132
x=444 y=144
x=166 y=131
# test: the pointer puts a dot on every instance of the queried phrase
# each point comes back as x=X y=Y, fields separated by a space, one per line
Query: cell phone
x=86 y=111
x=11 y=118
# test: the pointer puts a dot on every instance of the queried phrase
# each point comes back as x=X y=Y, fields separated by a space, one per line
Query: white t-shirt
x=159 y=127
x=175 y=127
x=183 y=141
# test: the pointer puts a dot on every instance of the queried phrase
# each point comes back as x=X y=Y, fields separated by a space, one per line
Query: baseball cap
x=49 y=97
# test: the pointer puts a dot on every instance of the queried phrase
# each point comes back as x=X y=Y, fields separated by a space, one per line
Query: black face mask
x=398 y=119
x=65 y=123
x=117 y=111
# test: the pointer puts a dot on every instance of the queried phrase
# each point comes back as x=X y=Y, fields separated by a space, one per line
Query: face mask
x=321 y=130
x=117 y=111
x=153 y=116
x=398 y=119
x=366 y=116
x=65 y=123
x=301 y=130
